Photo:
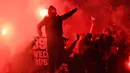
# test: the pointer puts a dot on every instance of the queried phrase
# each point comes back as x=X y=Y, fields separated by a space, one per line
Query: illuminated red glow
x=128 y=64
x=7 y=30
x=4 y=31
x=42 y=12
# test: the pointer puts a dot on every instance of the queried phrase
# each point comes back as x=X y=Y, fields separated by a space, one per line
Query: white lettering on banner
x=40 y=54
x=40 y=51
x=41 y=62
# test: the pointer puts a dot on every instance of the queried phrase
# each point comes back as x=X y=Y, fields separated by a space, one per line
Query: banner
x=40 y=53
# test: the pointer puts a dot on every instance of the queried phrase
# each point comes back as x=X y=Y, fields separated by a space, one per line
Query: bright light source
x=129 y=64
x=4 y=31
x=7 y=30
x=43 y=12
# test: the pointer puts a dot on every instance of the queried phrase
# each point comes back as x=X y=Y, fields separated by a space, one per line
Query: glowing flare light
x=43 y=12
x=7 y=30
x=4 y=31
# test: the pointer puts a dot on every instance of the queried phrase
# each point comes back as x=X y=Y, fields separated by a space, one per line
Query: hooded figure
x=54 y=32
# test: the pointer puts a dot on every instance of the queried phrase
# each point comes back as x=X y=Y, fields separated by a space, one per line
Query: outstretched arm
x=70 y=48
x=39 y=27
x=67 y=15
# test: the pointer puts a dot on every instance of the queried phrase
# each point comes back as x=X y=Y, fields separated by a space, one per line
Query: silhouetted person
x=88 y=53
x=104 y=45
x=68 y=58
x=54 y=32
x=69 y=49
x=73 y=60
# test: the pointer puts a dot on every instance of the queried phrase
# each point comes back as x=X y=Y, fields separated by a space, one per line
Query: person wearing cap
x=54 y=32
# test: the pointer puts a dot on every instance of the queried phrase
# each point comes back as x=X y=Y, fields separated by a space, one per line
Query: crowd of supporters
x=102 y=54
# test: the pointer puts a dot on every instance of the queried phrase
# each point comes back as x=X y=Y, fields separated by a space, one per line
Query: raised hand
x=77 y=36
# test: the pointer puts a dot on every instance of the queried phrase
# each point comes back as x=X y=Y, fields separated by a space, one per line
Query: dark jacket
x=53 y=25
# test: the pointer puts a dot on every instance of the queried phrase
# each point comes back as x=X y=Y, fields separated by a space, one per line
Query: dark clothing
x=69 y=50
x=105 y=42
x=103 y=51
x=53 y=25
x=54 y=32
x=89 y=55
x=92 y=59
x=112 y=64
x=75 y=65
x=72 y=63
